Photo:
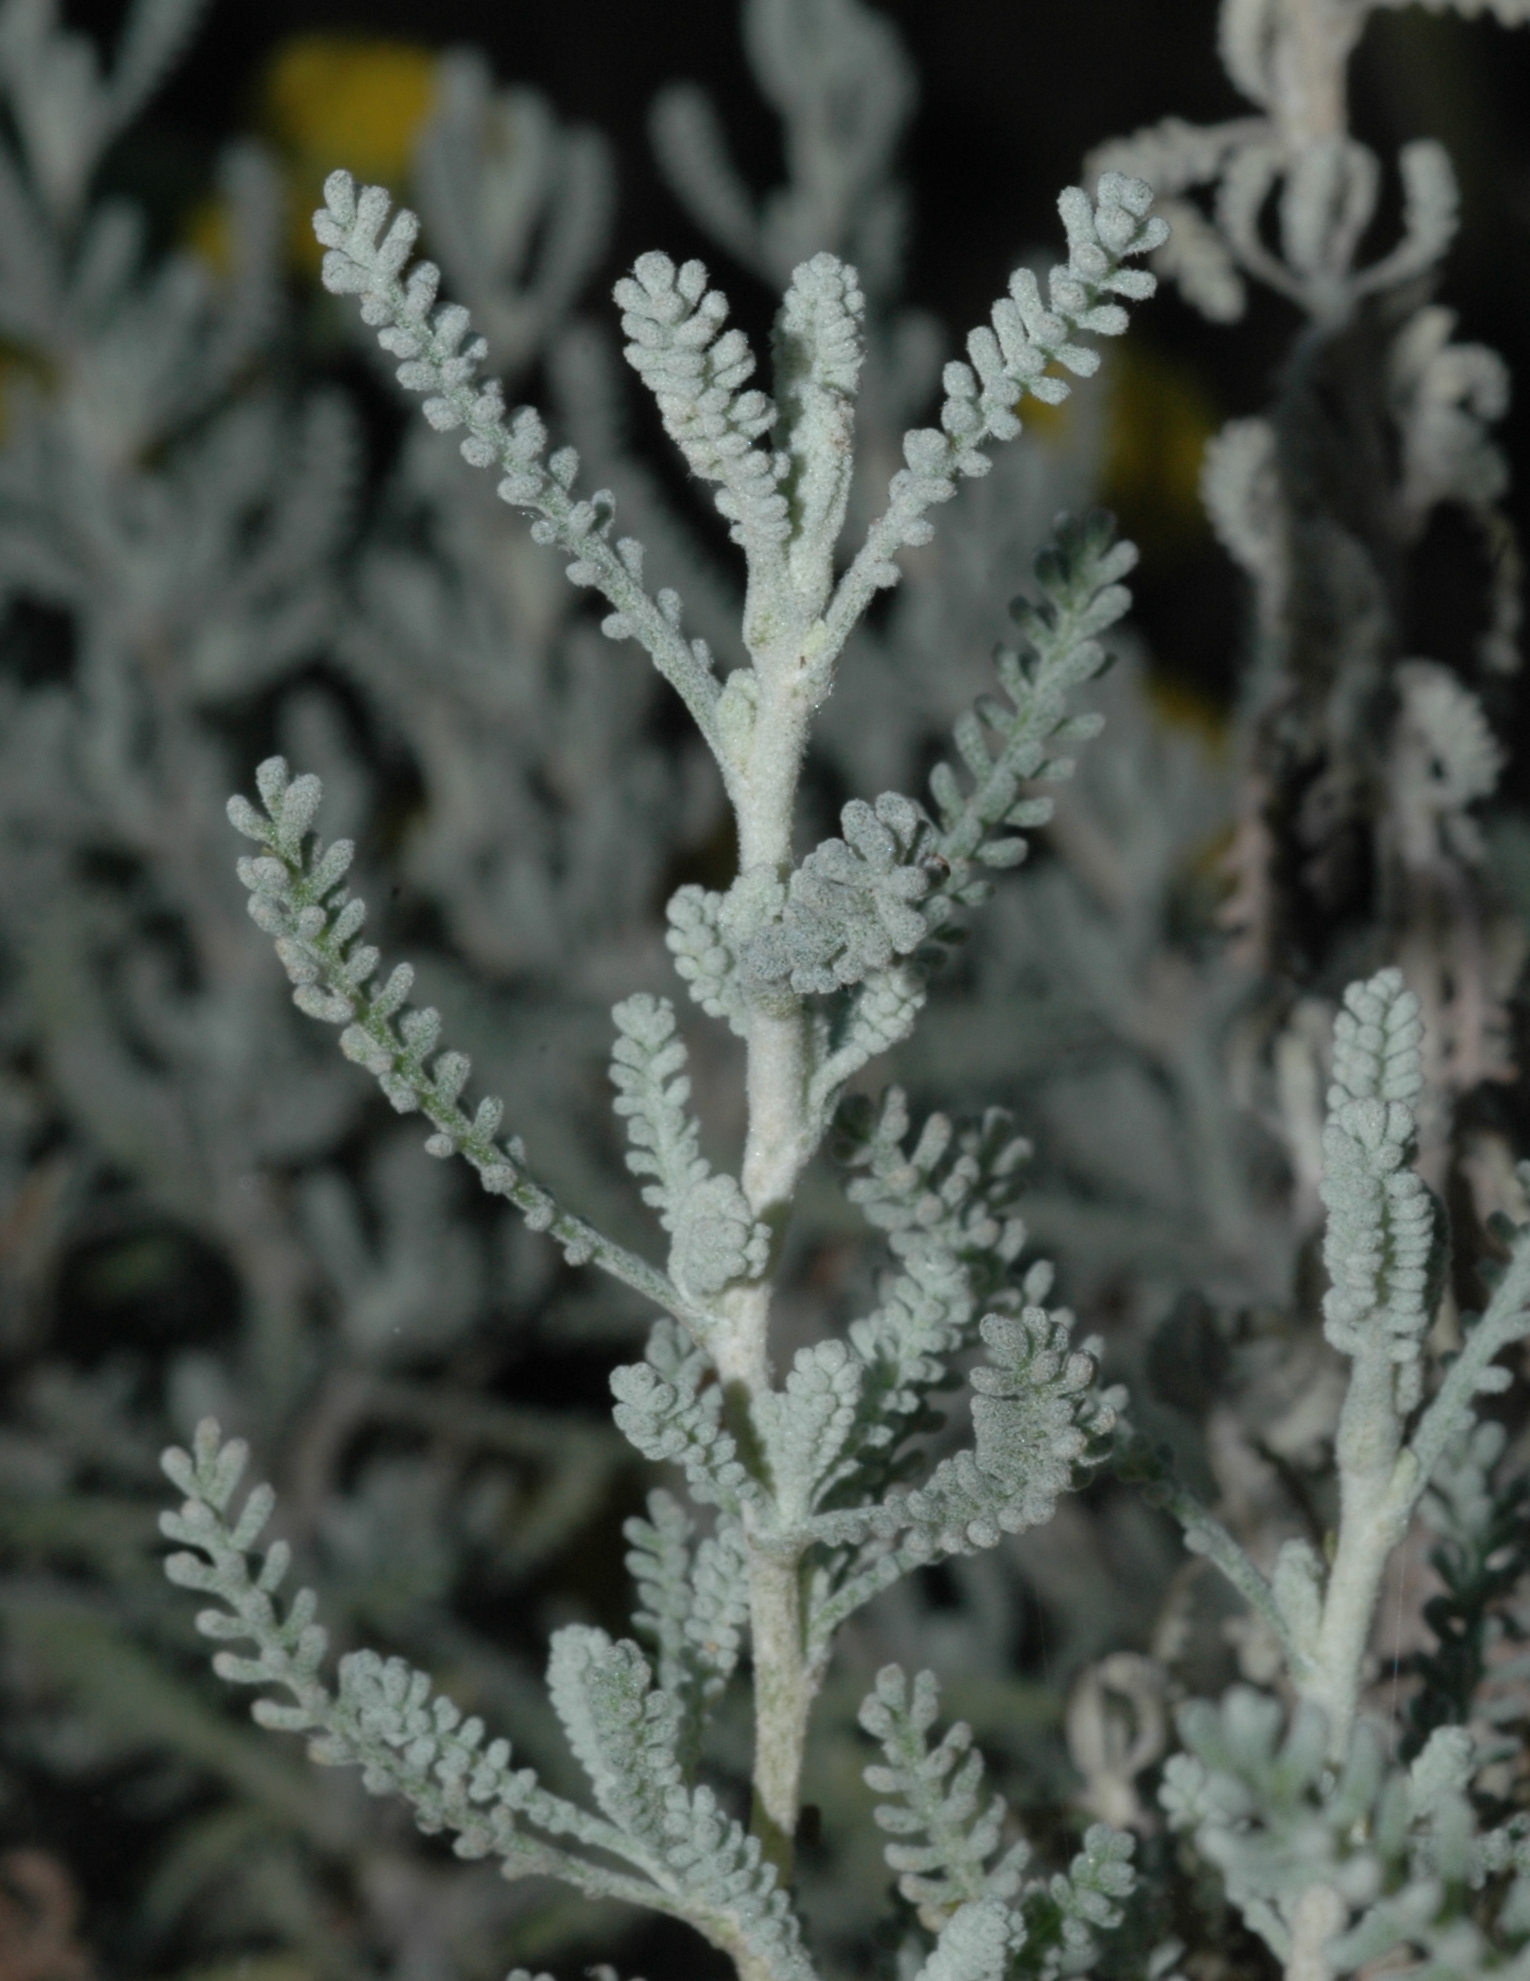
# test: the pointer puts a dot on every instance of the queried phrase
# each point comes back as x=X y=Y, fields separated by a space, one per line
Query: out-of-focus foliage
x=206 y=553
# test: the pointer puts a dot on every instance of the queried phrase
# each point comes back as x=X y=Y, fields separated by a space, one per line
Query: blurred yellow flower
x=208 y=235
x=1180 y=705
x=1052 y=424
x=329 y=100
x=1160 y=421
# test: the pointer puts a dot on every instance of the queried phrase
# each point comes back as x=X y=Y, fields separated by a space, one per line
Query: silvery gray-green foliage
x=1292 y=62
x=891 y=709
x=829 y=926
x=297 y=895
x=668 y=1410
x=845 y=921
x=189 y=537
x=716 y=1237
x=866 y=913
x=1327 y=571
x=300 y=900
x=843 y=86
x=1071 y=986
x=697 y=1607
x=518 y=206
x=674 y=322
x=1331 y=1860
x=458 y=638
x=1382 y=1242
x=66 y=110
x=685 y=1855
x=1475 y=1510
x=1034 y=1927
x=630 y=1738
x=1348 y=1867
x=1036 y=1417
x=170 y=494
x=1343 y=740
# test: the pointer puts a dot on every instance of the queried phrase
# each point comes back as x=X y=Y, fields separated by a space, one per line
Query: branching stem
x=1381 y=1482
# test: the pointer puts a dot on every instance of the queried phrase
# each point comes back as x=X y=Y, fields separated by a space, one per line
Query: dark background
x=1014 y=93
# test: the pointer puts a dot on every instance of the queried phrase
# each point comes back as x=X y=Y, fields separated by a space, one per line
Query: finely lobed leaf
x=716 y=1237
x=695 y=369
x=954 y=1863
x=670 y=1410
x=695 y=1607
x=1381 y=1245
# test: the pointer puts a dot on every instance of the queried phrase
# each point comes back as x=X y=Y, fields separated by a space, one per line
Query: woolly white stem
x=778 y=1146
x=1319 y=1914
x=1375 y=1505
x=784 y=1689
x=1309 y=70
x=779 y=1139
x=1381 y=1482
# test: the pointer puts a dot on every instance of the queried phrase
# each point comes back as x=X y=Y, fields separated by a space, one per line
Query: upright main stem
x=784 y=1688
x=779 y=1144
